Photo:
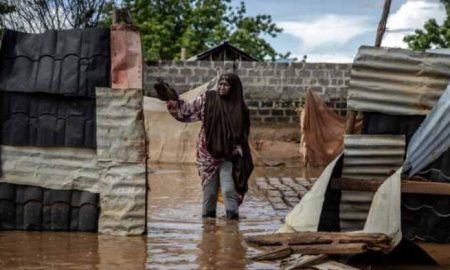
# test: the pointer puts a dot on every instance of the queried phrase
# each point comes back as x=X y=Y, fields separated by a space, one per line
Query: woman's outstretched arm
x=187 y=111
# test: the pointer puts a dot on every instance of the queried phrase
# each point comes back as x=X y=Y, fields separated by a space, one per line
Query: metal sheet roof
x=222 y=52
x=372 y=156
x=432 y=138
x=366 y=157
x=397 y=81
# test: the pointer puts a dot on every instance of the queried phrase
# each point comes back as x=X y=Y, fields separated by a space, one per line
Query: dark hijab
x=227 y=125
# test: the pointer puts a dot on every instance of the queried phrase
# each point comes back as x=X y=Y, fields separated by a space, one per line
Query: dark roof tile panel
x=67 y=62
x=47 y=120
x=40 y=209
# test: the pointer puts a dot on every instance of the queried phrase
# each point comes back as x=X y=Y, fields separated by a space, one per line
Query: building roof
x=223 y=52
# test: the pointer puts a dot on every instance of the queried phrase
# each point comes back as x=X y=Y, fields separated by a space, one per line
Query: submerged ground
x=177 y=237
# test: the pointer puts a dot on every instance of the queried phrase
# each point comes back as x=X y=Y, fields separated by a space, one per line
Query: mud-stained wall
x=273 y=91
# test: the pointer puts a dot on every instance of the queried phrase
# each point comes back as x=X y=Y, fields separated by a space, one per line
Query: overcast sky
x=333 y=30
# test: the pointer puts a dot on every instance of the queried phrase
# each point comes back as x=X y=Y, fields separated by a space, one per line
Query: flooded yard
x=177 y=237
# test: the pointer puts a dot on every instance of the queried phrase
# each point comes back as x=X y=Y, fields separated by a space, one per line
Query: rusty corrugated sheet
x=126 y=57
x=397 y=81
x=121 y=155
x=366 y=157
x=56 y=168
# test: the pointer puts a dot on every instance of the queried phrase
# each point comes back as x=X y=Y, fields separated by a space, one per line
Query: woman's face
x=223 y=88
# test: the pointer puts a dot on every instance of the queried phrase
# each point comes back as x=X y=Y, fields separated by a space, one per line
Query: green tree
x=433 y=35
x=168 y=25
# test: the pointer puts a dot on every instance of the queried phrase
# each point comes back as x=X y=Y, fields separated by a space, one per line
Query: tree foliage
x=168 y=25
x=433 y=35
x=36 y=16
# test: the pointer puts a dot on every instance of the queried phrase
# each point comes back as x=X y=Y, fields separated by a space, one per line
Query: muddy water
x=178 y=238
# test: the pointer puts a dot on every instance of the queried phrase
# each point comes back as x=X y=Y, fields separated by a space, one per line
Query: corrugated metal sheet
x=121 y=155
x=366 y=157
x=126 y=58
x=47 y=120
x=353 y=209
x=425 y=217
x=432 y=138
x=67 y=62
x=372 y=156
x=40 y=209
x=120 y=125
x=397 y=81
x=55 y=168
x=122 y=198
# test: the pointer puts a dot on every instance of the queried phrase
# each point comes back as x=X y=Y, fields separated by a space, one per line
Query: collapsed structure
x=370 y=188
x=72 y=131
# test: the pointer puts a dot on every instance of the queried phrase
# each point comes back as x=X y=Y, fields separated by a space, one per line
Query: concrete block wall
x=273 y=91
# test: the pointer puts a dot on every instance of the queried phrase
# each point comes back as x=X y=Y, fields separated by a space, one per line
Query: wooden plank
x=274 y=254
x=419 y=187
x=317 y=238
x=350 y=123
x=334 y=249
x=356 y=184
x=408 y=186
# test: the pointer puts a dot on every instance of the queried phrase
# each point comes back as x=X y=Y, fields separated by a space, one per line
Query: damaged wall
x=65 y=138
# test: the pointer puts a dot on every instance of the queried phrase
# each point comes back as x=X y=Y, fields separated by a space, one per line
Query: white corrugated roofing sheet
x=432 y=138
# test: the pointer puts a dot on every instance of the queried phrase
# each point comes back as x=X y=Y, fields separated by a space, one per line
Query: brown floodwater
x=177 y=237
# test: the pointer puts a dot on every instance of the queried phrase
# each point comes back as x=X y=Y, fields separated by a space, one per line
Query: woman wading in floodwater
x=223 y=153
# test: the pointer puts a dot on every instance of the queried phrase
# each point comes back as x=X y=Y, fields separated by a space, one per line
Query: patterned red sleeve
x=187 y=111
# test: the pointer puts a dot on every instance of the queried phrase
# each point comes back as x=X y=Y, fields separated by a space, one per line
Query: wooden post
x=351 y=115
x=382 y=23
x=350 y=124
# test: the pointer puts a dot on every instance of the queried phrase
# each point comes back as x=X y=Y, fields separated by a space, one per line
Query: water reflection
x=51 y=250
x=179 y=238
x=221 y=246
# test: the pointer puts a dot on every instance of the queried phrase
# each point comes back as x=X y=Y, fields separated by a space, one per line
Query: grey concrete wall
x=273 y=91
